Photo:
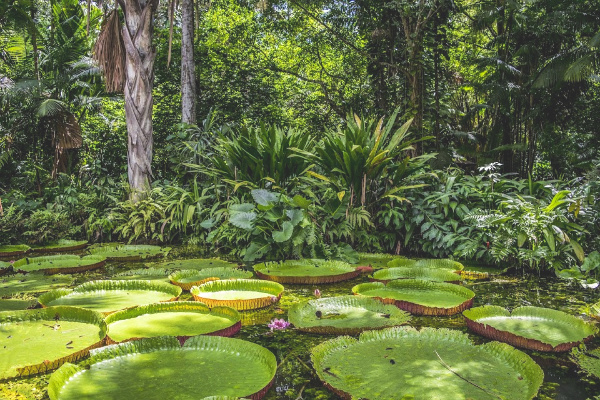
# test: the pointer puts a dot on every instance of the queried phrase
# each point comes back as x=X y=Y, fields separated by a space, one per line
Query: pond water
x=296 y=379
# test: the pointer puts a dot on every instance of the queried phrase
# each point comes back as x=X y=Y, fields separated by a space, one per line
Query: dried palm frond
x=109 y=51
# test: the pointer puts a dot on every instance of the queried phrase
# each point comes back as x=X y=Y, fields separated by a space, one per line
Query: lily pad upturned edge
x=272 y=290
x=13 y=250
x=86 y=263
x=439 y=263
x=62 y=245
x=347 y=272
x=206 y=275
x=75 y=314
x=108 y=250
x=422 y=273
x=474 y=314
x=176 y=306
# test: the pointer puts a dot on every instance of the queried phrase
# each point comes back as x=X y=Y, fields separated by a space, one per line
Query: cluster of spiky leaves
x=529 y=327
x=427 y=263
x=427 y=274
x=306 y=271
x=241 y=294
x=190 y=277
x=224 y=360
x=59 y=264
x=129 y=252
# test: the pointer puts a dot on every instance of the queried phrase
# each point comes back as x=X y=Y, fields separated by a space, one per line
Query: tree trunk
x=188 y=76
x=139 y=62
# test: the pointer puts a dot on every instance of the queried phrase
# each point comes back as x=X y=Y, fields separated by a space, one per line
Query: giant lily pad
x=182 y=319
x=32 y=283
x=66 y=264
x=427 y=274
x=159 y=368
x=427 y=263
x=13 y=250
x=375 y=260
x=37 y=341
x=241 y=294
x=145 y=274
x=533 y=328
x=306 y=271
x=110 y=296
x=16 y=304
x=195 y=263
x=129 y=252
x=345 y=315
x=191 y=277
x=5 y=267
x=588 y=360
x=62 y=245
x=419 y=297
x=433 y=364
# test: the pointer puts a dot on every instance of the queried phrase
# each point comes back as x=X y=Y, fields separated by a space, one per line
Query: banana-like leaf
x=62 y=245
x=58 y=264
x=241 y=294
x=13 y=250
x=110 y=296
x=38 y=341
x=535 y=328
x=129 y=252
x=210 y=364
x=190 y=277
x=12 y=285
x=427 y=263
x=345 y=315
x=403 y=363
x=427 y=274
x=182 y=319
x=306 y=271
x=419 y=297
x=194 y=263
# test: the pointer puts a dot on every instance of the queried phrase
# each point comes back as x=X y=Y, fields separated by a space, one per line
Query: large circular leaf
x=5 y=268
x=159 y=369
x=196 y=263
x=62 y=245
x=182 y=319
x=427 y=274
x=427 y=263
x=129 y=252
x=145 y=274
x=37 y=341
x=419 y=297
x=110 y=296
x=13 y=250
x=190 y=277
x=306 y=271
x=32 y=283
x=345 y=315
x=533 y=328
x=66 y=264
x=433 y=364
x=241 y=294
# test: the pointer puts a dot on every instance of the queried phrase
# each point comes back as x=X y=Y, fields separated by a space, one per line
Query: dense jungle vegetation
x=437 y=128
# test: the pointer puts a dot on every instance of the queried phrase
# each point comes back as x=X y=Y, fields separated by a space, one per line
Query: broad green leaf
x=295 y=216
x=264 y=197
x=578 y=250
x=301 y=201
x=285 y=234
x=243 y=220
x=521 y=239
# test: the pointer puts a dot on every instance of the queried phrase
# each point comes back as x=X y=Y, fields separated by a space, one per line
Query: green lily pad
x=62 y=245
x=16 y=304
x=195 y=263
x=427 y=263
x=241 y=294
x=433 y=364
x=145 y=274
x=190 y=277
x=66 y=264
x=5 y=267
x=11 y=285
x=182 y=319
x=306 y=271
x=375 y=260
x=129 y=252
x=37 y=341
x=533 y=328
x=587 y=360
x=13 y=250
x=345 y=315
x=110 y=296
x=159 y=368
x=419 y=297
x=427 y=274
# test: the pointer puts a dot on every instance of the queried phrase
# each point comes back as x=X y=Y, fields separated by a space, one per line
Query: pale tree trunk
x=139 y=62
x=188 y=78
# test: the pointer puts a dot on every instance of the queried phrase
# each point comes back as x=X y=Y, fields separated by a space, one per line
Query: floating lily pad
x=145 y=274
x=427 y=263
x=62 y=245
x=110 y=296
x=16 y=304
x=129 y=252
x=11 y=285
x=433 y=364
x=345 y=315
x=419 y=297
x=588 y=360
x=66 y=264
x=427 y=274
x=159 y=368
x=37 y=341
x=241 y=294
x=13 y=250
x=375 y=260
x=195 y=263
x=191 y=277
x=182 y=319
x=5 y=268
x=533 y=328
x=306 y=271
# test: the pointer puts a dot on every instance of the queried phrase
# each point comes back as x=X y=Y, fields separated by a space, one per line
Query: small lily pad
x=191 y=277
x=65 y=264
x=62 y=245
x=241 y=294
x=427 y=274
x=306 y=271
x=535 y=328
x=129 y=252
x=13 y=250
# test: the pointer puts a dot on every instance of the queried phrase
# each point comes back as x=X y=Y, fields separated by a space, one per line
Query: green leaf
x=521 y=239
x=295 y=216
x=263 y=197
x=557 y=200
x=549 y=239
x=578 y=250
x=243 y=220
x=207 y=223
x=243 y=207
x=256 y=251
x=285 y=234
x=301 y=201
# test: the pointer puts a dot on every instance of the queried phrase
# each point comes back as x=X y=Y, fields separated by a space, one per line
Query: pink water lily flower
x=317 y=293
x=278 y=324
